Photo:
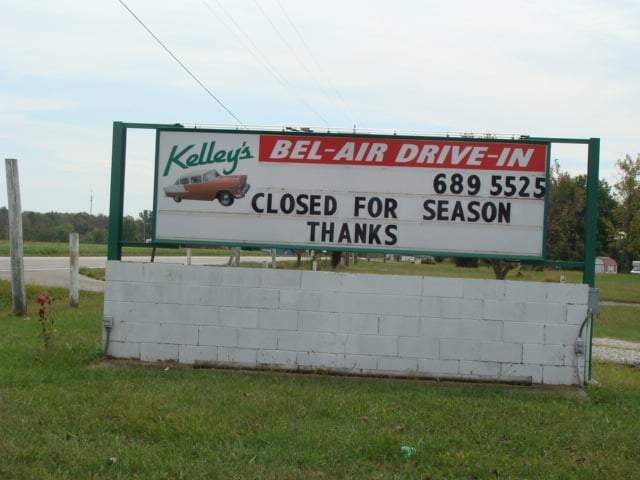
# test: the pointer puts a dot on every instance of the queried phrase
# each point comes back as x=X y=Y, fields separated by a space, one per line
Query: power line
x=312 y=56
x=180 y=63
x=244 y=38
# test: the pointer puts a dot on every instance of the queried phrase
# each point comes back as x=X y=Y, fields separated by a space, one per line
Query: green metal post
x=591 y=230
x=116 y=205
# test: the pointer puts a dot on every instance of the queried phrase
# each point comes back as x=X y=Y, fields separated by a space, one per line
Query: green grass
x=66 y=414
x=616 y=321
x=52 y=249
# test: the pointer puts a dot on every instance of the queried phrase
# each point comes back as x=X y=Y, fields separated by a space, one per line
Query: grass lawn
x=66 y=414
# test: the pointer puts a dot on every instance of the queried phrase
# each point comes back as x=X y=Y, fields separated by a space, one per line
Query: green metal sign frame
x=118 y=168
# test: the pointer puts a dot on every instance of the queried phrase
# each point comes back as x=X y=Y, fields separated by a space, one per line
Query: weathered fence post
x=18 y=291
x=74 y=268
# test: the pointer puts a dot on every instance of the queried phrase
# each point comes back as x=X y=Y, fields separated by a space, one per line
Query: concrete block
x=299 y=300
x=191 y=354
x=388 y=304
x=259 y=297
x=501 y=352
x=162 y=273
x=462 y=329
x=257 y=338
x=502 y=310
x=321 y=281
x=279 y=358
x=130 y=292
x=560 y=334
x=297 y=341
x=123 y=349
x=442 y=287
x=577 y=314
x=159 y=352
x=543 y=354
x=484 y=289
x=239 y=317
x=365 y=324
x=461 y=308
x=317 y=322
x=395 y=285
x=418 y=347
x=161 y=313
x=251 y=297
x=241 y=277
x=544 y=313
x=199 y=315
x=520 y=332
x=243 y=356
x=480 y=369
x=280 y=279
x=568 y=293
x=277 y=319
x=518 y=370
x=116 y=270
x=178 y=334
x=129 y=331
x=317 y=360
x=553 y=375
x=202 y=275
x=371 y=345
x=404 y=366
x=431 y=307
x=399 y=325
x=525 y=291
x=358 y=363
x=193 y=295
x=331 y=342
x=218 y=336
x=166 y=292
x=438 y=368
x=454 y=349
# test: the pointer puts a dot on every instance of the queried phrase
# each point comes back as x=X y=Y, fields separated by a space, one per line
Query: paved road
x=54 y=271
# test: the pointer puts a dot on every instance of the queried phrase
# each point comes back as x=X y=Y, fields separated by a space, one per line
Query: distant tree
x=627 y=213
x=131 y=231
x=566 y=216
x=97 y=236
x=145 y=218
x=4 y=223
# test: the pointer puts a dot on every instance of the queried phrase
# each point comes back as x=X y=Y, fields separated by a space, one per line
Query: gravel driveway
x=620 y=351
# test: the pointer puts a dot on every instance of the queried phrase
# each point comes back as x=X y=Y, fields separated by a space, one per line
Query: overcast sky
x=69 y=69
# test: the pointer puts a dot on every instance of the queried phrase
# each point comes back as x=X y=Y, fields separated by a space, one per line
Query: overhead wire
x=184 y=67
x=259 y=55
x=311 y=55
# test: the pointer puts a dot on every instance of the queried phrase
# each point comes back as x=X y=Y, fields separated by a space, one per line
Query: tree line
x=618 y=223
x=56 y=227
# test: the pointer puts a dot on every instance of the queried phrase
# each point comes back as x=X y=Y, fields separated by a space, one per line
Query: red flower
x=43 y=299
x=41 y=312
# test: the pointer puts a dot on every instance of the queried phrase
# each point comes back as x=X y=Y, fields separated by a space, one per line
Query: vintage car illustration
x=208 y=185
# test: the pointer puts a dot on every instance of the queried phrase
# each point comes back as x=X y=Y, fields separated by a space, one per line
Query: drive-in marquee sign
x=352 y=192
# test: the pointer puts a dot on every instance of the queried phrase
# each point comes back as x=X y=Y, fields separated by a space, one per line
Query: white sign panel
x=351 y=192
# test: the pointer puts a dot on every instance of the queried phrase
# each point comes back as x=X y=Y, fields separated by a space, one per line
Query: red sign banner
x=390 y=152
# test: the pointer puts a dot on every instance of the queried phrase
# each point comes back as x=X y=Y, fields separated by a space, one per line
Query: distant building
x=606 y=265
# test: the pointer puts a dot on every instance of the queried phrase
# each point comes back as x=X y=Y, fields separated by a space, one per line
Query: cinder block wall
x=366 y=324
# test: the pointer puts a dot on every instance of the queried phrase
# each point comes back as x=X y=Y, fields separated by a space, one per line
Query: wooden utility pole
x=74 y=268
x=18 y=291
